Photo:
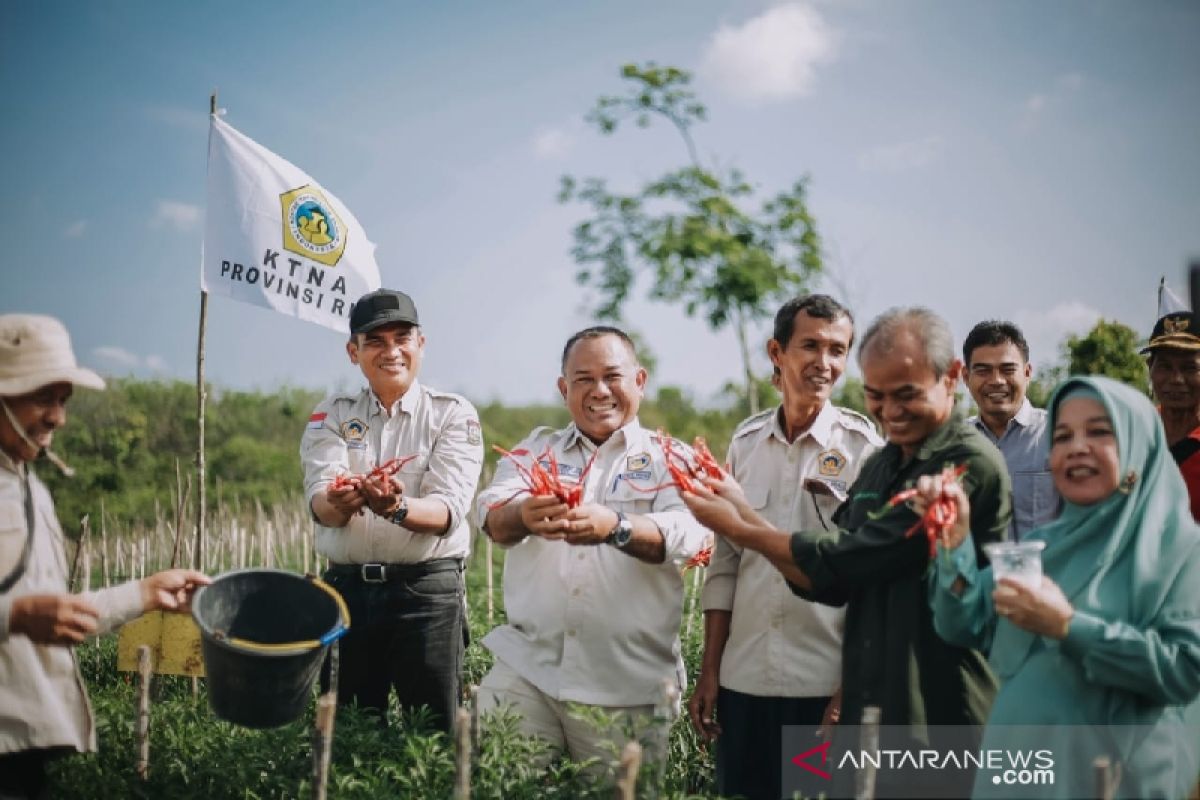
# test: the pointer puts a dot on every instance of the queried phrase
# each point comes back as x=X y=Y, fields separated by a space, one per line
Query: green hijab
x=1145 y=524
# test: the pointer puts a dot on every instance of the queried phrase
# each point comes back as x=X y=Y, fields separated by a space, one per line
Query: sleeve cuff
x=961 y=565
x=806 y=553
x=1084 y=631
x=117 y=605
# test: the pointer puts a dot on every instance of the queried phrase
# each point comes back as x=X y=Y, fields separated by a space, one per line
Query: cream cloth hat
x=35 y=351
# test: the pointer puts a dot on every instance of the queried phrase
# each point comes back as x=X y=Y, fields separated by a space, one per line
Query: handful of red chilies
x=386 y=469
x=682 y=470
x=941 y=514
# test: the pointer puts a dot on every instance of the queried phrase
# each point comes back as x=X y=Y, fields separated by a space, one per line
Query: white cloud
x=1047 y=330
x=552 y=143
x=772 y=56
x=180 y=216
x=118 y=356
x=75 y=229
x=156 y=363
x=901 y=156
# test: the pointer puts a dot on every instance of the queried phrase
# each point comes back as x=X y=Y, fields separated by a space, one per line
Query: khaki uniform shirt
x=589 y=623
x=354 y=433
x=780 y=645
x=43 y=702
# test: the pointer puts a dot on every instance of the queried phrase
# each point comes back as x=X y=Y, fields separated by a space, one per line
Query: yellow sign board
x=174 y=640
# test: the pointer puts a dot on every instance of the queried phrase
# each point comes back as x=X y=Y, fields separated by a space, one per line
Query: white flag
x=1168 y=301
x=273 y=237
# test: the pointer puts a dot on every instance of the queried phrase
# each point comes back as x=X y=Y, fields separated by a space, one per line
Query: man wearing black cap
x=395 y=540
x=1174 y=358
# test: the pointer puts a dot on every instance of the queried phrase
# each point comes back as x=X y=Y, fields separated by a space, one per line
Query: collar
x=821 y=428
x=6 y=462
x=1024 y=415
x=627 y=434
x=943 y=436
x=407 y=402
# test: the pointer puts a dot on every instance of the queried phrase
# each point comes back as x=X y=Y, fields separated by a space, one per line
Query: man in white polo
x=770 y=658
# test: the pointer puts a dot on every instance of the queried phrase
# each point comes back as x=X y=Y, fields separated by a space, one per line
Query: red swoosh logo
x=823 y=749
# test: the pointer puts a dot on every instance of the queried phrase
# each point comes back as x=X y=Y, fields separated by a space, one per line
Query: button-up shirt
x=589 y=623
x=780 y=645
x=43 y=702
x=1025 y=446
x=354 y=433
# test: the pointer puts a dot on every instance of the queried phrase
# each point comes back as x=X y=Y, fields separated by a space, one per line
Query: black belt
x=382 y=573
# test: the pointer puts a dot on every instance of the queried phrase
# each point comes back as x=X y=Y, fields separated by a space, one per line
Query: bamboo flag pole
x=201 y=396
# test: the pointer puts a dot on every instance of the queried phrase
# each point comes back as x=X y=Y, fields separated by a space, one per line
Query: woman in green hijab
x=1102 y=658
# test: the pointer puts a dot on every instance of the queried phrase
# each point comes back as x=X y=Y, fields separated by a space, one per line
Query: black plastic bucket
x=264 y=633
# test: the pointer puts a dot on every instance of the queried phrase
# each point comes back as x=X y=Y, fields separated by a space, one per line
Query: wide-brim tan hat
x=35 y=351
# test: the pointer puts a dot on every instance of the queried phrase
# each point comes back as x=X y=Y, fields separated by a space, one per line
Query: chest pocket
x=12 y=537
x=412 y=475
x=628 y=499
x=757 y=497
x=1033 y=498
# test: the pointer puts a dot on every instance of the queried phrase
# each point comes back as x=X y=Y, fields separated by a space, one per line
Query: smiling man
x=593 y=593
x=998 y=373
x=770 y=658
x=395 y=543
x=873 y=564
x=1174 y=359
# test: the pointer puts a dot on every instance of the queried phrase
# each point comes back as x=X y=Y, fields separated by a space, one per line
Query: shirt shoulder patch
x=859 y=423
x=754 y=423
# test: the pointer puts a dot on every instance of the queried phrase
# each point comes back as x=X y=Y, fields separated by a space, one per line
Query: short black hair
x=595 y=332
x=820 y=306
x=993 y=332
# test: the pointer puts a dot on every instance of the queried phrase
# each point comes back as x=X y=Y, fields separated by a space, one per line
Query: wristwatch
x=621 y=535
x=400 y=514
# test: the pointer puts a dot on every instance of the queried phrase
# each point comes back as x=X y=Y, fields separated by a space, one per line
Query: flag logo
x=311 y=228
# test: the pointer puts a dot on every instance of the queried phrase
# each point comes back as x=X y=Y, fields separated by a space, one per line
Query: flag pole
x=201 y=396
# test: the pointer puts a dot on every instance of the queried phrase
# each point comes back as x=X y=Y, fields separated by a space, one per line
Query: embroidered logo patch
x=831 y=462
x=353 y=430
x=474 y=435
x=637 y=462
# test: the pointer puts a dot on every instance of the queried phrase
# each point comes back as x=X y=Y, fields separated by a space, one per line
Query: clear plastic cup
x=1021 y=561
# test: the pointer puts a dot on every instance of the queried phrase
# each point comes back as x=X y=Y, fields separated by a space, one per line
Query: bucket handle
x=337 y=632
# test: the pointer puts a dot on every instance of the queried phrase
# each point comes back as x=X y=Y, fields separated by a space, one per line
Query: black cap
x=1179 y=330
x=382 y=307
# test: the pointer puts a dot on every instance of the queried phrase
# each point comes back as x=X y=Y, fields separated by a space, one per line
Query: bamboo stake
x=1108 y=776
x=627 y=774
x=143 y=712
x=868 y=739
x=183 y=493
x=462 y=754
x=104 y=574
x=73 y=581
x=201 y=397
x=491 y=588
x=323 y=743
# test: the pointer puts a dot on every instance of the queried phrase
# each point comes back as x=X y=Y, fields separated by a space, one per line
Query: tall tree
x=690 y=230
x=1111 y=349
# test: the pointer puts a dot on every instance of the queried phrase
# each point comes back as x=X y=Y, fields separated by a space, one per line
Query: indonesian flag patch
x=316 y=421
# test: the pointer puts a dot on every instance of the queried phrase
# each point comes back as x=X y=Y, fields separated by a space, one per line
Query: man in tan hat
x=43 y=707
x=1173 y=355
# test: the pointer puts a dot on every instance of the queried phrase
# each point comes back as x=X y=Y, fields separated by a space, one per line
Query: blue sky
x=1029 y=160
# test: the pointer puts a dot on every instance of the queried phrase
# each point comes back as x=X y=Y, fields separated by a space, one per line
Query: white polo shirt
x=589 y=623
x=780 y=645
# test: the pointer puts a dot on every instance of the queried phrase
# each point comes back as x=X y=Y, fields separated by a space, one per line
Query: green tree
x=1111 y=349
x=691 y=229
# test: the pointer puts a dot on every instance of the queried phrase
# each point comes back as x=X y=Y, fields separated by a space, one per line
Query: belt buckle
x=374 y=573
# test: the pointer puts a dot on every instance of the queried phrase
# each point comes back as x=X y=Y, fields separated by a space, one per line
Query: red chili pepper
x=941 y=514
x=542 y=482
x=386 y=469
x=682 y=471
x=701 y=559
